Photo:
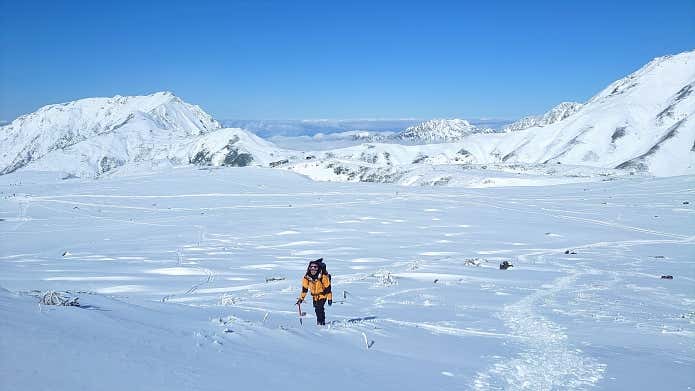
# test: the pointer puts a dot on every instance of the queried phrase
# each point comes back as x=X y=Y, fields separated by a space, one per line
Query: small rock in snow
x=505 y=265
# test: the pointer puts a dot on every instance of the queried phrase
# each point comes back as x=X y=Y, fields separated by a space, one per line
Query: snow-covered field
x=187 y=280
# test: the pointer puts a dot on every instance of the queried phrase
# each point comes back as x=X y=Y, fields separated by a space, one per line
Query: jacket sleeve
x=305 y=288
x=327 y=287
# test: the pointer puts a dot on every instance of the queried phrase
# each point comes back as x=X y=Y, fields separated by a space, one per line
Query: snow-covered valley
x=187 y=279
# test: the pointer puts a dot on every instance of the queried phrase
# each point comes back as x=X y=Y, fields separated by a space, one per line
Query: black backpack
x=322 y=264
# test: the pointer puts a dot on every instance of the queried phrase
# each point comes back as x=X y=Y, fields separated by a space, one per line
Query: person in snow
x=318 y=281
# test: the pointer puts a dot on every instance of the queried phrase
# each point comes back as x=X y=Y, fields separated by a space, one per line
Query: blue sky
x=297 y=59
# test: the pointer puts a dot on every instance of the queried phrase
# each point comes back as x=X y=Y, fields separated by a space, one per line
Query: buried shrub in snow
x=384 y=278
x=473 y=262
x=59 y=298
x=413 y=266
x=228 y=299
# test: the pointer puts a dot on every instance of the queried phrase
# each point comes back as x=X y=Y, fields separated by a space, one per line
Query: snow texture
x=187 y=279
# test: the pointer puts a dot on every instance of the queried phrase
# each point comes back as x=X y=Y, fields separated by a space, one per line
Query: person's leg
x=320 y=311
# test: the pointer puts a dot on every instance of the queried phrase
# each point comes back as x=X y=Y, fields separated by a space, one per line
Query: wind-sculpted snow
x=187 y=278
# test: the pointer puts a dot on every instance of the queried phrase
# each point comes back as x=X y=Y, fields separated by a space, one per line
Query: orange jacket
x=320 y=287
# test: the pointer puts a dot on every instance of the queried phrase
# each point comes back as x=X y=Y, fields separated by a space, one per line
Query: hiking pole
x=345 y=295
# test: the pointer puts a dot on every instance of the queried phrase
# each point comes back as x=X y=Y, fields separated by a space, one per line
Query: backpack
x=322 y=264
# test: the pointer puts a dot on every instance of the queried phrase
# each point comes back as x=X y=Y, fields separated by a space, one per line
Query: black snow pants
x=320 y=311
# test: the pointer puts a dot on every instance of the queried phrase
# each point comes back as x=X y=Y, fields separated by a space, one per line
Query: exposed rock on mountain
x=556 y=114
x=440 y=131
x=90 y=137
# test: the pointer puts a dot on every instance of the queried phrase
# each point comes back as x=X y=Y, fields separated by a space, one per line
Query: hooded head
x=315 y=267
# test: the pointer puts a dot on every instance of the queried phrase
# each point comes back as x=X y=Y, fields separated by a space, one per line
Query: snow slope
x=91 y=137
x=448 y=164
x=112 y=152
x=643 y=122
x=56 y=127
x=188 y=279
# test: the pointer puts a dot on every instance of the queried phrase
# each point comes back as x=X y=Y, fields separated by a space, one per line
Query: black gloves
x=330 y=303
x=299 y=301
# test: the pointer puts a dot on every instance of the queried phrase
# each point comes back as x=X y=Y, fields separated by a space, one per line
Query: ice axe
x=299 y=307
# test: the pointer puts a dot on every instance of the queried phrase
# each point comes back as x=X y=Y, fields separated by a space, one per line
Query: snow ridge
x=556 y=114
x=440 y=131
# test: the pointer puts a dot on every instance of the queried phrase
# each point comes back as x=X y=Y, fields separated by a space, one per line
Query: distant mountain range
x=296 y=128
x=641 y=123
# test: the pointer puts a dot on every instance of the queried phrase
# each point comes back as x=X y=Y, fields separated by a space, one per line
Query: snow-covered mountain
x=557 y=113
x=60 y=126
x=440 y=131
x=427 y=132
x=92 y=136
x=642 y=123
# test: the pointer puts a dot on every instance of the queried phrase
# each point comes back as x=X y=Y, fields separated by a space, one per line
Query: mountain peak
x=165 y=95
x=440 y=130
x=161 y=115
x=660 y=75
x=556 y=114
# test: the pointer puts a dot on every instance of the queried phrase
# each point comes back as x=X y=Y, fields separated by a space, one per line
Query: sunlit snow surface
x=188 y=278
